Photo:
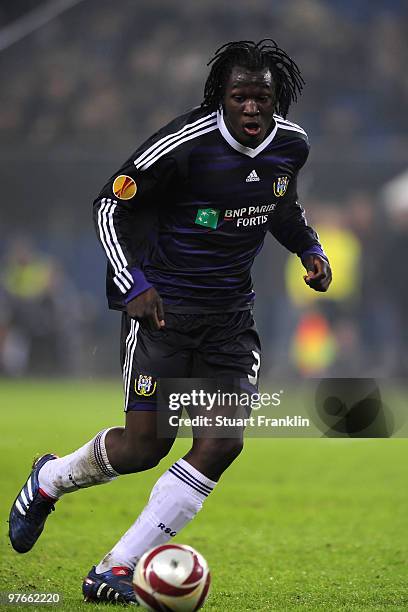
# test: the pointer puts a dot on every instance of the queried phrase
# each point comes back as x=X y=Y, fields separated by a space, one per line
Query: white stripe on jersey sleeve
x=108 y=234
x=189 y=126
x=119 y=284
x=117 y=249
x=282 y=120
x=128 y=275
x=125 y=281
x=186 y=138
x=284 y=126
x=102 y=231
x=123 y=278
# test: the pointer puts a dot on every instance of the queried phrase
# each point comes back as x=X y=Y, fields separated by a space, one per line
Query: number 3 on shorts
x=255 y=368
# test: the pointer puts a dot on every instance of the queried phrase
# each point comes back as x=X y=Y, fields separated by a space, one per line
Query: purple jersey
x=188 y=212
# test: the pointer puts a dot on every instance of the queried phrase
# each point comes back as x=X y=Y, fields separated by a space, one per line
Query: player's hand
x=319 y=274
x=147 y=306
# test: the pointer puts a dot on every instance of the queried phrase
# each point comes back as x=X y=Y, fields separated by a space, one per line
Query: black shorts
x=212 y=346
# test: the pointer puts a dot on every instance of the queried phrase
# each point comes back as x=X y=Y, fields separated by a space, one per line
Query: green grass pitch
x=293 y=525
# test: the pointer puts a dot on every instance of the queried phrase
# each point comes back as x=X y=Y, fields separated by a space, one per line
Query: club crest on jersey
x=280 y=186
x=144 y=385
x=124 y=187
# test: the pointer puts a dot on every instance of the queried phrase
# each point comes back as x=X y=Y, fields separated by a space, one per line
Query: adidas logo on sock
x=252 y=176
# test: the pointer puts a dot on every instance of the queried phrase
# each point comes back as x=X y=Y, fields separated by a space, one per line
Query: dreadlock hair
x=254 y=56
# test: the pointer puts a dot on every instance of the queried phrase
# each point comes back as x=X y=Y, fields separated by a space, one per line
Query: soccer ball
x=172 y=578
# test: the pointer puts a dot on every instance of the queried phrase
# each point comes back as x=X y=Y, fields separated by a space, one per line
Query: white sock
x=85 y=467
x=175 y=499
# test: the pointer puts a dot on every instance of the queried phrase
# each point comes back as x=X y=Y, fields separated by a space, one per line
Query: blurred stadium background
x=84 y=82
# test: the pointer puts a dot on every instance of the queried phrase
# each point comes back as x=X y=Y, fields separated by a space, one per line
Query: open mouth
x=252 y=128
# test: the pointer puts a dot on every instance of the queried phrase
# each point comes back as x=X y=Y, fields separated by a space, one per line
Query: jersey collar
x=237 y=145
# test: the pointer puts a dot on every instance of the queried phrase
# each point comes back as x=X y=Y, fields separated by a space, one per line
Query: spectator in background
x=393 y=272
x=327 y=336
x=40 y=314
x=374 y=311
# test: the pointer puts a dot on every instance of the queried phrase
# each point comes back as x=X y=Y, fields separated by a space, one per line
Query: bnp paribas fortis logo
x=208 y=217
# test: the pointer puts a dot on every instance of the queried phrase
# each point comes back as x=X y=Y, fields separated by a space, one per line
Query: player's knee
x=140 y=457
x=148 y=459
x=219 y=453
x=231 y=449
x=138 y=461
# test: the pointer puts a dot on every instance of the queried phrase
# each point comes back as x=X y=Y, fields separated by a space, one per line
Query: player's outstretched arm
x=319 y=274
x=148 y=306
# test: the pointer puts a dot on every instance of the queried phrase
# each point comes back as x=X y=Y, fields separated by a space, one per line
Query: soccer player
x=181 y=223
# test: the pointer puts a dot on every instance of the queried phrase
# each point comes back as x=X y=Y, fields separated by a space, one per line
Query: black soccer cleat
x=30 y=510
x=114 y=586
